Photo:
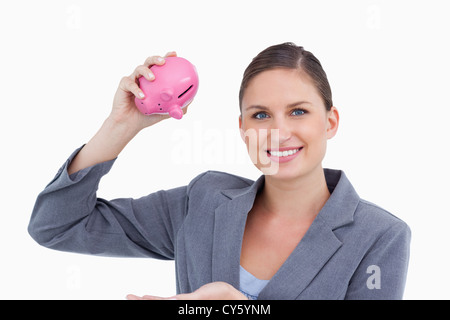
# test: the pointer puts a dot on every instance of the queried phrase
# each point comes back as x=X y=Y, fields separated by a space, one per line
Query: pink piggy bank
x=174 y=87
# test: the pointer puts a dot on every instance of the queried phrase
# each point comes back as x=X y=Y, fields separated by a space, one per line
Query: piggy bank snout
x=166 y=95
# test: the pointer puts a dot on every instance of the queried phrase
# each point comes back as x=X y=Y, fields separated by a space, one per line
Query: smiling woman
x=298 y=232
x=295 y=110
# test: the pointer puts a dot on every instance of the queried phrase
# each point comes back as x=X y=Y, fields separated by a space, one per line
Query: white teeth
x=283 y=153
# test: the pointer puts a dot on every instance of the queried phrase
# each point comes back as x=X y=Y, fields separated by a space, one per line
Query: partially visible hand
x=210 y=291
x=124 y=109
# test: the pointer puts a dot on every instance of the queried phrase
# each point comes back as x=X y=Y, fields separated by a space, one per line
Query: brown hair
x=288 y=55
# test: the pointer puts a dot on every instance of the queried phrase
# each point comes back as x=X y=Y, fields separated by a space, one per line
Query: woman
x=298 y=232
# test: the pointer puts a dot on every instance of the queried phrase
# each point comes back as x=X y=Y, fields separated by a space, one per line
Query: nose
x=283 y=129
x=166 y=94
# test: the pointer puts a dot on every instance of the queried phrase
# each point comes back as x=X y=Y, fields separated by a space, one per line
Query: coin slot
x=185 y=91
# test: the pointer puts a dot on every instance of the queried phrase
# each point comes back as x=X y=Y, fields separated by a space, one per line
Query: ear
x=332 y=122
x=240 y=128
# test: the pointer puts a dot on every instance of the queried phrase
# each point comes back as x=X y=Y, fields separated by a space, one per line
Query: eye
x=298 y=112
x=260 y=115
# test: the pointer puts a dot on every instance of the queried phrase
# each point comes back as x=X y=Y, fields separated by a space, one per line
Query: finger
x=150 y=61
x=186 y=296
x=144 y=72
x=186 y=108
x=133 y=297
x=149 y=297
x=170 y=54
x=128 y=84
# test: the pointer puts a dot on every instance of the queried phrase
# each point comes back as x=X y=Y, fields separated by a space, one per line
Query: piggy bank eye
x=185 y=91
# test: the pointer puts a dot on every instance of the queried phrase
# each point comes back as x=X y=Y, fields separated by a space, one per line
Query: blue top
x=249 y=285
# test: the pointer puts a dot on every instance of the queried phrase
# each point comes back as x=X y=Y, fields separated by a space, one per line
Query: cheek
x=259 y=140
x=314 y=135
x=255 y=137
x=318 y=126
x=253 y=141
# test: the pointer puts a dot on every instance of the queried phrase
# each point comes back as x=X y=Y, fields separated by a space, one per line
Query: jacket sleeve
x=381 y=274
x=68 y=216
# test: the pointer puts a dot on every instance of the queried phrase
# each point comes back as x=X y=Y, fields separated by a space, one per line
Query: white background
x=61 y=62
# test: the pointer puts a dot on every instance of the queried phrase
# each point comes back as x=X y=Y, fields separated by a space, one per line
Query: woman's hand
x=124 y=110
x=124 y=122
x=211 y=291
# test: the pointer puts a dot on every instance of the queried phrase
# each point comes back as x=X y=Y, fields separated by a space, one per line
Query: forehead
x=280 y=87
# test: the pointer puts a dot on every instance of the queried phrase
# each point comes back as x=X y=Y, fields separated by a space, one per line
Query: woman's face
x=285 y=124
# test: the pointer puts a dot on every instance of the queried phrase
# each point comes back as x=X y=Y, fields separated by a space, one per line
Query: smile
x=284 y=153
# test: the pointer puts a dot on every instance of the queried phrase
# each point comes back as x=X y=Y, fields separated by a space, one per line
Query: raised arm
x=124 y=122
x=67 y=214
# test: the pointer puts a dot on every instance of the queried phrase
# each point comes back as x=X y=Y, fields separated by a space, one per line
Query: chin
x=282 y=170
x=283 y=173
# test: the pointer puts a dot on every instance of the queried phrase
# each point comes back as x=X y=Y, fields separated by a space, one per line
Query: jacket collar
x=337 y=211
x=252 y=189
x=316 y=247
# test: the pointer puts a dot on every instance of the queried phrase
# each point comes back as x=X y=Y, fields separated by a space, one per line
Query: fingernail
x=141 y=95
x=160 y=59
x=151 y=76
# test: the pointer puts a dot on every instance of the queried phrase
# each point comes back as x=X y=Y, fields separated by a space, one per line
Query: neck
x=299 y=198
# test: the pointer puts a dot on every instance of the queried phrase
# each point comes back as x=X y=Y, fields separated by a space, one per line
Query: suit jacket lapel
x=229 y=226
x=313 y=251
x=317 y=246
x=319 y=243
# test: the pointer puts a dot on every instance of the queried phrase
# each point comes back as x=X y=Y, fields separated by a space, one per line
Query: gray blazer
x=353 y=249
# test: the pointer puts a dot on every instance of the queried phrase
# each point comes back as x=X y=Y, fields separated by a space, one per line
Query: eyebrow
x=289 y=106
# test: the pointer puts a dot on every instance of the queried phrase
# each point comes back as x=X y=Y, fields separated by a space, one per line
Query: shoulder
x=215 y=181
x=354 y=215
x=380 y=247
x=374 y=215
x=375 y=223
